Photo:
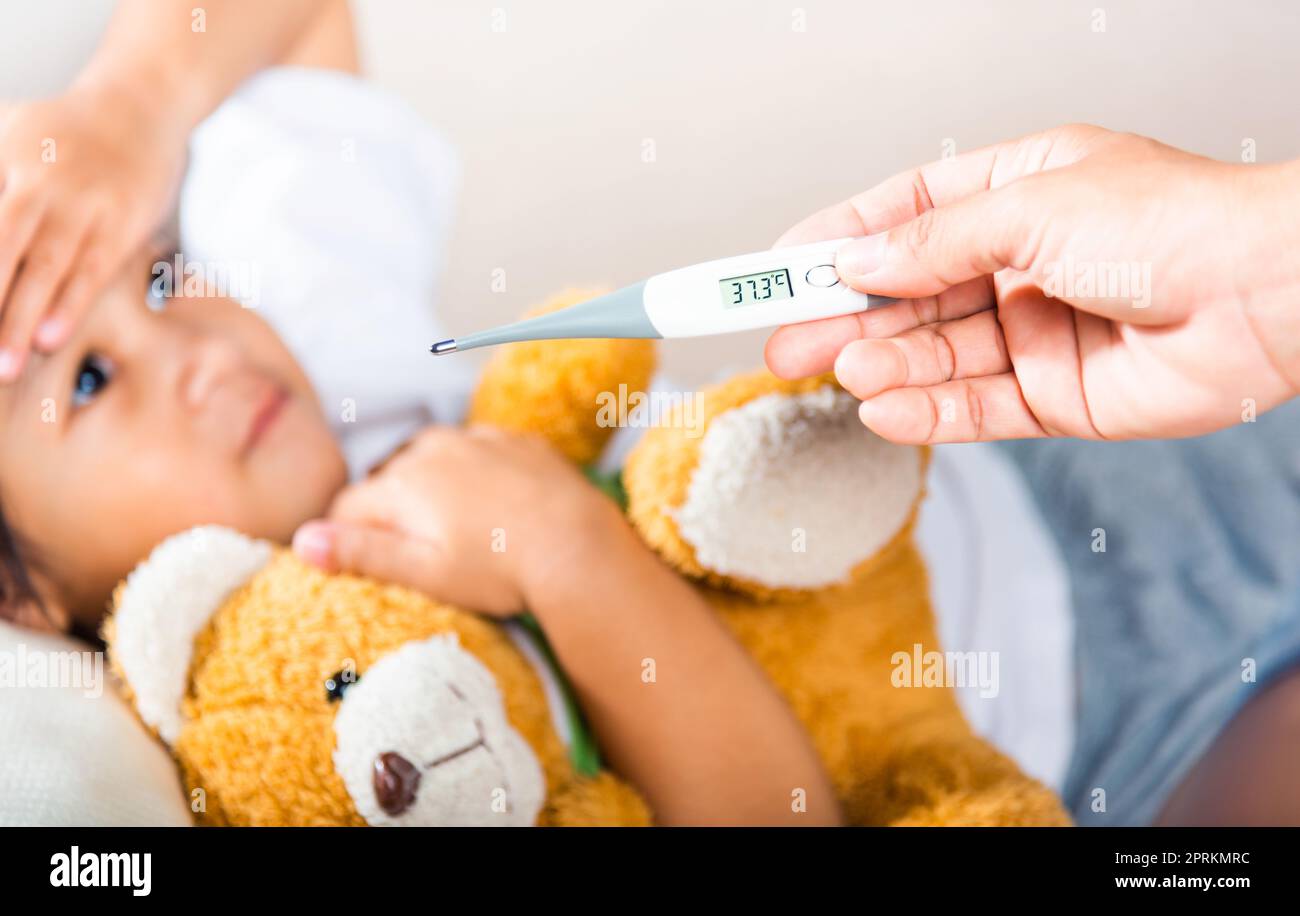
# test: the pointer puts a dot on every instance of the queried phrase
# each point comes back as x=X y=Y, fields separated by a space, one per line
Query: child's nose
x=210 y=362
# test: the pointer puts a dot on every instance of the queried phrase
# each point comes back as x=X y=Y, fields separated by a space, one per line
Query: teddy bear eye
x=338 y=683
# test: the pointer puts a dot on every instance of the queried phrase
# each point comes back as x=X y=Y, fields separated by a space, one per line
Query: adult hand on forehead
x=1076 y=282
x=85 y=179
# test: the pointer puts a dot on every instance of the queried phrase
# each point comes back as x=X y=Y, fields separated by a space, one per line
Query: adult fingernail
x=851 y=367
x=869 y=412
x=861 y=256
x=10 y=365
x=314 y=542
x=49 y=333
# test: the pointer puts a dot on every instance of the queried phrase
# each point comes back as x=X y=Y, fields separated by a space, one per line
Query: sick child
x=145 y=409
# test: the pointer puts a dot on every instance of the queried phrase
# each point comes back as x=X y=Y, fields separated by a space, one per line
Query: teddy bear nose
x=396 y=782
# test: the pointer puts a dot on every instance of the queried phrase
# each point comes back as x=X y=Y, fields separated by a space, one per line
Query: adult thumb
x=977 y=235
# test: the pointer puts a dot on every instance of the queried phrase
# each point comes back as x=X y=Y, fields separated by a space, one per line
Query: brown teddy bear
x=289 y=696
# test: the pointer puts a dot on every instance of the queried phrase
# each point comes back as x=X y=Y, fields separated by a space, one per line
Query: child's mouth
x=269 y=408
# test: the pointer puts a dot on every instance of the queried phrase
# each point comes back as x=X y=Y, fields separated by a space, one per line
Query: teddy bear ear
x=772 y=487
x=161 y=607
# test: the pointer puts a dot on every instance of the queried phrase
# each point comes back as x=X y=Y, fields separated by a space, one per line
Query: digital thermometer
x=759 y=290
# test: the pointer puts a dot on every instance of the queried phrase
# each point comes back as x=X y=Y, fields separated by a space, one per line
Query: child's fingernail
x=10 y=364
x=314 y=542
x=49 y=333
x=861 y=256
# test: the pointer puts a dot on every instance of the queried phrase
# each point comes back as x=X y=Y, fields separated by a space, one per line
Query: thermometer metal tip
x=758 y=290
x=618 y=314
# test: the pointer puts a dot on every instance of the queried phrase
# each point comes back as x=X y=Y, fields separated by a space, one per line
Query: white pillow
x=74 y=753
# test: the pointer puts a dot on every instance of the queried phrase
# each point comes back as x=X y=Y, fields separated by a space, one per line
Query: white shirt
x=999 y=584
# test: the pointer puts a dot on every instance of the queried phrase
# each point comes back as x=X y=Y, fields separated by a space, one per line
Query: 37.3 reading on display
x=752 y=289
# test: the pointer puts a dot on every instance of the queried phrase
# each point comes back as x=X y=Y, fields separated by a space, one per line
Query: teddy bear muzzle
x=422 y=739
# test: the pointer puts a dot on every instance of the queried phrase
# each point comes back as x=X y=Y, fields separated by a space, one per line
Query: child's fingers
x=367 y=551
x=967 y=410
x=934 y=353
x=401 y=559
x=361 y=502
x=20 y=215
x=801 y=350
x=92 y=272
x=46 y=263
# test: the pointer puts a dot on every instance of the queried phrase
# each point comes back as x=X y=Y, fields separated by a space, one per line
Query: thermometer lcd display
x=753 y=289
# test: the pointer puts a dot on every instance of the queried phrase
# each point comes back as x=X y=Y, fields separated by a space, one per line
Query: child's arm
x=497 y=523
x=681 y=710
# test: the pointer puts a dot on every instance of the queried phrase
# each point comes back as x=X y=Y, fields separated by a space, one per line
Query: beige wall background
x=757 y=112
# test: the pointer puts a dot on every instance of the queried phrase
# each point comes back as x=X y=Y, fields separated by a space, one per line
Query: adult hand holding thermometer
x=759 y=290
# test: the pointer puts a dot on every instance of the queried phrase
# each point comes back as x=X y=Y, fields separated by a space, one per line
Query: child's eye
x=93 y=375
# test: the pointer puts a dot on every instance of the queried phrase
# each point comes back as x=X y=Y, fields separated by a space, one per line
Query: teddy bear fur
x=259 y=733
x=895 y=755
x=257 y=744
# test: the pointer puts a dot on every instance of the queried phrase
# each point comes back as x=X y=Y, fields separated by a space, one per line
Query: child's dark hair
x=16 y=588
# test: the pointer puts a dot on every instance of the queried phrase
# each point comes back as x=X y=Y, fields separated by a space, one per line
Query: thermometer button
x=822 y=276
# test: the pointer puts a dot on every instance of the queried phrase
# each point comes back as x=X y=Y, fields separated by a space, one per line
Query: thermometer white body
x=759 y=290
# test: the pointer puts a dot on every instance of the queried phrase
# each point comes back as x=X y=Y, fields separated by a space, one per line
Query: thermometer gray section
x=618 y=314
x=762 y=289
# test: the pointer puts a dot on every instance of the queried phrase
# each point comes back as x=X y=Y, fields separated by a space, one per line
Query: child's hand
x=496 y=523
x=475 y=517
x=85 y=178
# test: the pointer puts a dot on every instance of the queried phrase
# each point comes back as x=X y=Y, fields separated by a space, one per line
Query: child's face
x=147 y=423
